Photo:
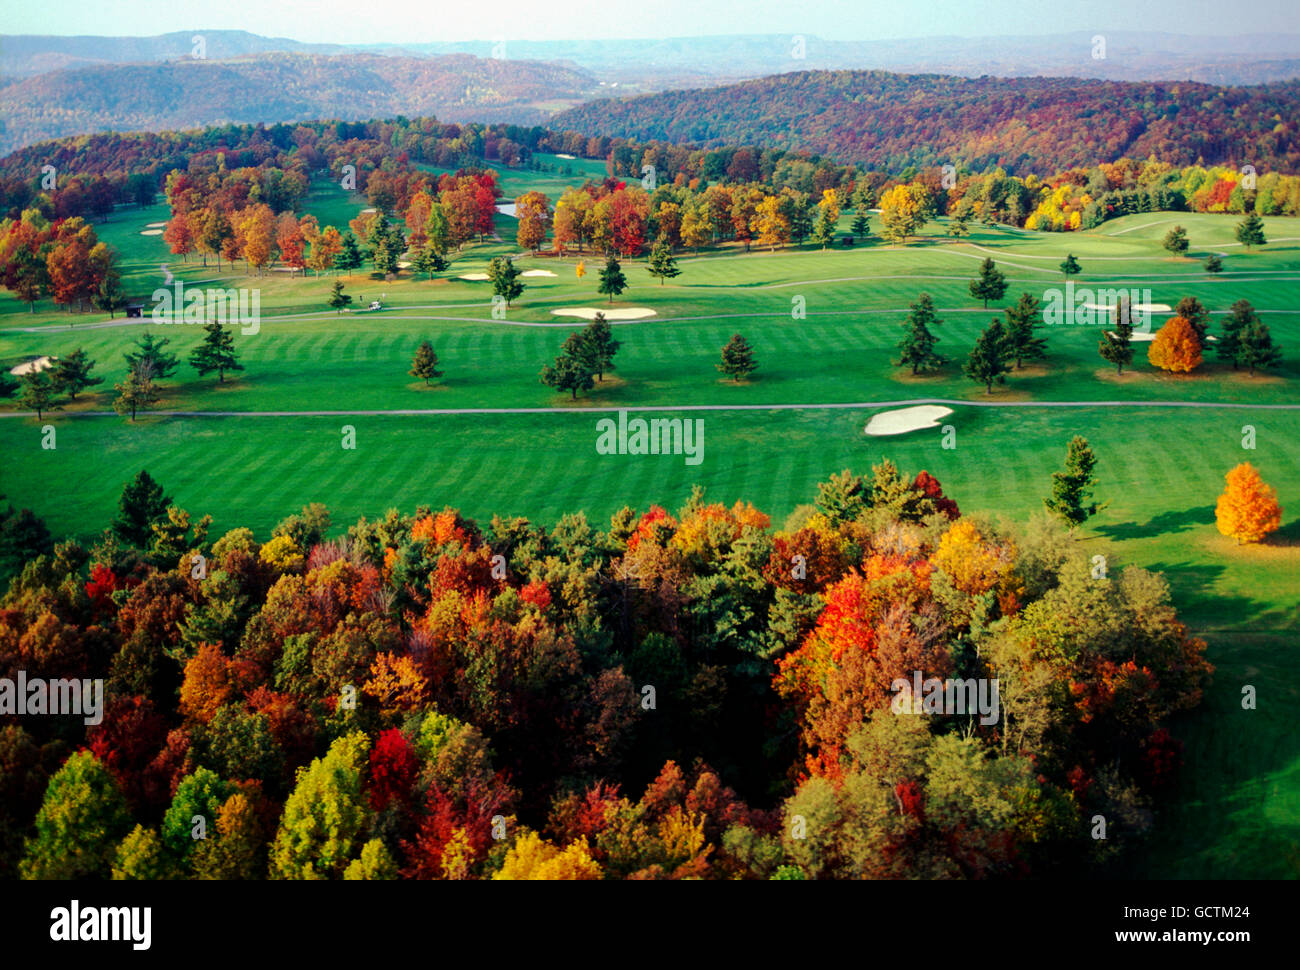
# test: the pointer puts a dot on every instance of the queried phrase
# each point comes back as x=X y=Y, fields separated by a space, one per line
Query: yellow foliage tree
x=532 y=857
x=283 y=553
x=1176 y=347
x=974 y=565
x=1248 y=509
x=395 y=683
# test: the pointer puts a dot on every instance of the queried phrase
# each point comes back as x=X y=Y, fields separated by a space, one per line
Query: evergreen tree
x=38 y=393
x=1191 y=310
x=141 y=504
x=824 y=232
x=430 y=260
x=568 y=373
x=1070 y=266
x=1116 y=345
x=1022 y=320
x=917 y=346
x=152 y=353
x=612 y=280
x=1214 y=264
x=662 y=264
x=216 y=352
x=425 y=363
x=988 y=359
x=1176 y=241
x=71 y=375
x=505 y=278
x=1241 y=316
x=338 y=299
x=138 y=392
x=737 y=358
x=1257 y=349
x=600 y=338
x=959 y=226
x=1072 y=488
x=1250 y=231
x=349 y=257
x=991 y=284
x=861 y=226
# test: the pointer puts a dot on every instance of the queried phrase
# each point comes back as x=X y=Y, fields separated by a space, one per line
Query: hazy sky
x=399 y=21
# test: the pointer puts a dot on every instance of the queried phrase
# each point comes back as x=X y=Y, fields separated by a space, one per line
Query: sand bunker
x=475 y=276
x=1138 y=336
x=589 y=313
x=906 y=419
x=151 y=232
x=156 y=225
x=561 y=155
x=33 y=366
x=403 y=264
x=537 y=272
x=372 y=209
x=1137 y=307
x=508 y=209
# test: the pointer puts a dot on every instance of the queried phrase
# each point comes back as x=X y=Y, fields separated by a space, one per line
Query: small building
x=135 y=309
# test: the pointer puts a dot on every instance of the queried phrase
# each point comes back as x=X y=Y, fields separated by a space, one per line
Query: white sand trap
x=1138 y=336
x=372 y=209
x=537 y=272
x=570 y=157
x=156 y=225
x=151 y=232
x=1137 y=307
x=476 y=277
x=507 y=209
x=589 y=313
x=33 y=366
x=403 y=264
x=906 y=419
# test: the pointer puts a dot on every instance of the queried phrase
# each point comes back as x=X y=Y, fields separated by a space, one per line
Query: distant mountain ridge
x=894 y=121
x=279 y=87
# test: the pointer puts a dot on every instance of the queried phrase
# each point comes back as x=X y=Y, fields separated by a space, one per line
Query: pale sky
x=402 y=21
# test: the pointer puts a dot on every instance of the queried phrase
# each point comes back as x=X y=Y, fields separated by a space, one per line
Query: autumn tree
x=326 y=816
x=737 y=358
x=917 y=346
x=80 y=822
x=899 y=214
x=1072 y=488
x=1248 y=509
x=1175 y=348
x=425 y=363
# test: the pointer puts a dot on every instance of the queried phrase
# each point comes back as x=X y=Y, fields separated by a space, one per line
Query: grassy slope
x=1160 y=468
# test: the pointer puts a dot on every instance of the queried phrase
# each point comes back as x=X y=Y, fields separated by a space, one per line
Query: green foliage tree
x=430 y=259
x=152 y=352
x=861 y=226
x=1257 y=349
x=1176 y=241
x=1241 y=316
x=349 y=257
x=1116 y=346
x=662 y=264
x=991 y=284
x=737 y=358
x=425 y=363
x=141 y=856
x=505 y=278
x=138 y=392
x=326 y=815
x=1213 y=264
x=141 y=504
x=1022 y=320
x=1191 y=310
x=917 y=346
x=1070 y=266
x=216 y=352
x=80 y=822
x=1250 y=231
x=987 y=362
x=71 y=375
x=338 y=299
x=198 y=794
x=38 y=393
x=612 y=280
x=1072 y=488
x=599 y=336
x=573 y=370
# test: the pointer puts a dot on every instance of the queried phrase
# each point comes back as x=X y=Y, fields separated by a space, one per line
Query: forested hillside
x=893 y=121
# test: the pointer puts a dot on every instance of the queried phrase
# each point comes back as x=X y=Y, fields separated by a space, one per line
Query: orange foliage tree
x=1176 y=347
x=1248 y=509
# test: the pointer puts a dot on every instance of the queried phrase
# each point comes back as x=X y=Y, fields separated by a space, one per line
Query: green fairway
x=824 y=326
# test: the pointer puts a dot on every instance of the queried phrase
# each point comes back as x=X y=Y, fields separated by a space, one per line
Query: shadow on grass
x=1173 y=521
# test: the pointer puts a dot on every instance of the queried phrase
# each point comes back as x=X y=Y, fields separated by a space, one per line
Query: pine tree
x=425 y=363
x=216 y=353
x=824 y=232
x=505 y=278
x=568 y=374
x=138 y=392
x=38 y=393
x=1022 y=320
x=662 y=264
x=917 y=346
x=1230 y=330
x=141 y=504
x=1176 y=241
x=991 y=284
x=1116 y=345
x=430 y=260
x=600 y=338
x=1072 y=488
x=1257 y=348
x=612 y=280
x=1214 y=264
x=959 y=226
x=988 y=359
x=338 y=299
x=1250 y=231
x=1070 y=266
x=151 y=352
x=349 y=257
x=737 y=358
x=1191 y=310
x=861 y=226
x=71 y=375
